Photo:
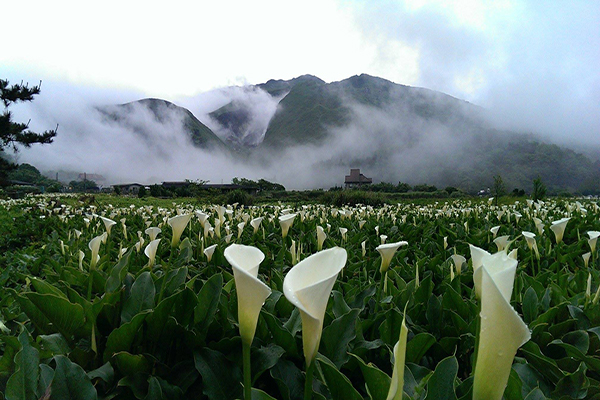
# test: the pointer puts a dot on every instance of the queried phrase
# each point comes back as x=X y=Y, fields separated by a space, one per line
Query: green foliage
x=83 y=186
x=171 y=331
x=238 y=196
x=142 y=192
x=498 y=188
x=539 y=189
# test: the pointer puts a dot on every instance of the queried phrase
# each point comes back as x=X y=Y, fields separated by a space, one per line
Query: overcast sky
x=535 y=63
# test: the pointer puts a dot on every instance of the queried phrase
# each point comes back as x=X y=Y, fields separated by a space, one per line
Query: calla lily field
x=124 y=298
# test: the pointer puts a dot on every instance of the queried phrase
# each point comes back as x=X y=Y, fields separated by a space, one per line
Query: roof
x=356 y=177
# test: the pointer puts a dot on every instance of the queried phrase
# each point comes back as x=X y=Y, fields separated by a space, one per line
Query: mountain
x=164 y=113
x=317 y=131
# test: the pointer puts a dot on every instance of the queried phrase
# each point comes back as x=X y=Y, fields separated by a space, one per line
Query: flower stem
x=247 y=370
x=308 y=391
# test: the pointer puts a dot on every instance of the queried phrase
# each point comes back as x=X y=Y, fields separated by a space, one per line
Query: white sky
x=534 y=61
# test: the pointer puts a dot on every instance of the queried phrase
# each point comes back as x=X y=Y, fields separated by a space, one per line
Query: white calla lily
x=501 y=242
x=251 y=292
x=209 y=251
x=558 y=227
x=153 y=232
x=256 y=224
x=108 y=223
x=458 y=261
x=178 y=224
x=321 y=236
x=397 y=383
x=502 y=330
x=94 y=246
x=593 y=240
x=308 y=286
x=286 y=222
x=531 y=243
x=150 y=251
x=387 y=252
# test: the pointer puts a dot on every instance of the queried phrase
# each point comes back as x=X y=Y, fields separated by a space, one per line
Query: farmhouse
x=356 y=179
x=129 y=188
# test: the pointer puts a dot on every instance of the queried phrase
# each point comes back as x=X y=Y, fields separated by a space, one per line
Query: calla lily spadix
x=150 y=251
x=178 y=225
x=502 y=330
x=308 y=286
x=251 y=292
x=321 y=236
x=286 y=222
x=558 y=227
x=387 y=252
x=153 y=232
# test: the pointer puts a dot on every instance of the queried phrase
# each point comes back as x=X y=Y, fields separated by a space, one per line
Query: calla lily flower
x=495 y=230
x=501 y=242
x=363 y=245
x=240 y=227
x=108 y=223
x=458 y=262
x=286 y=222
x=251 y=292
x=361 y=223
x=321 y=236
x=397 y=383
x=586 y=259
x=593 y=239
x=256 y=223
x=539 y=225
x=81 y=257
x=382 y=238
x=208 y=252
x=531 y=243
x=308 y=286
x=558 y=227
x=178 y=225
x=502 y=331
x=94 y=246
x=387 y=252
x=153 y=232
x=343 y=232
x=150 y=251
x=202 y=217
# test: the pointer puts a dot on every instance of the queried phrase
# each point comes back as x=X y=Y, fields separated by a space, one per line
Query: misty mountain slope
x=133 y=116
x=244 y=120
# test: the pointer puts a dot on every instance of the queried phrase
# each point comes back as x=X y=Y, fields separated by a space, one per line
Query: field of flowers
x=447 y=300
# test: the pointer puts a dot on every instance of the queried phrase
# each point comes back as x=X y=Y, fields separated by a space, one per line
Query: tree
x=539 y=189
x=498 y=190
x=13 y=133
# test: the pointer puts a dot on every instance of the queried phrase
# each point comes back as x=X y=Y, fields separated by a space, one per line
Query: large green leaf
x=338 y=384
x=121 y=338
x=64 y=315
x=441 y=384
x=377 y=381
x=23 y=383
x=71 y=382
x=418 y=346
x=337 y=336
x=264 y=359
x=117 y=273
x=208 y=302
x=220 y=379
x=141 y=297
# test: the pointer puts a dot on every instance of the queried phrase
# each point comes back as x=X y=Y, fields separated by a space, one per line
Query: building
x=128 y=188
x=356 y=179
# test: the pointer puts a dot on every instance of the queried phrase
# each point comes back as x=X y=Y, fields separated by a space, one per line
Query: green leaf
x=121 y=338
x=339 y=306
x=289 y=379
x=105 y=372
x=141 y=297
x=117 y=273
x=574 y=385
x=281 y=336
x=23 y=383
x=264 y=359
x=71 y=382
x=441 y=384
x=154 y=390
x=220 y=379
x=208 y=302
x=530 y=305
x=131 y=364
x=536 y=394
x=418 y=346
x=338 y=384
x=376 y=381
x=258 y=394
x=337 y=336
x=64 y=315
x=157 y=320
x=54 y=344
x=44 y=287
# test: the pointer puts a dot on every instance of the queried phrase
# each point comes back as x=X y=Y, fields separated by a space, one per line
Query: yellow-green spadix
x=251 y=292
x=308 y=286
